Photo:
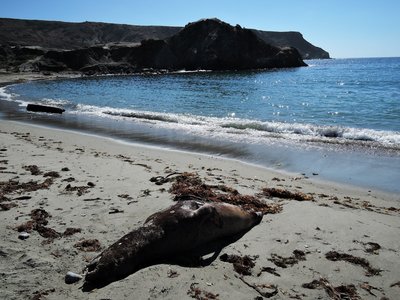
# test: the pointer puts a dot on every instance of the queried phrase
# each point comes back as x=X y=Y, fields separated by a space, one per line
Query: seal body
x=176 y=231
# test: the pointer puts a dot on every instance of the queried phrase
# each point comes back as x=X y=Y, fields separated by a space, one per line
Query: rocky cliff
x=207 y=44
x=293 y=39
x=68 y=36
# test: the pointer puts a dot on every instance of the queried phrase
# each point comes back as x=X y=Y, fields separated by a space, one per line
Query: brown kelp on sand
x=189 y=186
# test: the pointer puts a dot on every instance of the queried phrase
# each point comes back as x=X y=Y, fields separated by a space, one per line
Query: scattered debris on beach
x=172 y=273
x=336 y=256
x=369 y=288
x=38 y=218
x=48 y=233
x=23 y=198
x=80 y=190
x=90 y=245
x=69 y=179
x=370 y=247
x=160 y=180
x=395 y=284
x=265 y=290
x=114 y=210
x=52 y=174
x=71 y=231
x=196 y=293
x=7 y=206
x=286 y=194
x=14 y=186
x=269 y=270
x=34 y=169
x=355 y=203
x=284 y=262
x=241 y=264
x=189 y=186
x=38 y=223
x=39 y=295
x=336 y=293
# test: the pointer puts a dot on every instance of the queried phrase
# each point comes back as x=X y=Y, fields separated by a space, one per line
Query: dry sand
x=104 y=189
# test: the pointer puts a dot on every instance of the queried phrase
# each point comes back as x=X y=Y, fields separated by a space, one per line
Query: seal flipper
x=194 y=260
x=92 y=264
x=133 y=251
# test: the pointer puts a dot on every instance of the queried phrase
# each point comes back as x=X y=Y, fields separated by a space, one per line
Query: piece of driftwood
x=44 y=108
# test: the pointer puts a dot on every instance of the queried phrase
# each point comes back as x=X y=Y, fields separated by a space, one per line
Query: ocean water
x=339 y=118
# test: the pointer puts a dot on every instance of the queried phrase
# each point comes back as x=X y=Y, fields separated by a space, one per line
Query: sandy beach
x=344 y=240
x=9 y=78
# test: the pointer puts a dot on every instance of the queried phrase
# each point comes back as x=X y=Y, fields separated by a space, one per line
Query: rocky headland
x=208 y=44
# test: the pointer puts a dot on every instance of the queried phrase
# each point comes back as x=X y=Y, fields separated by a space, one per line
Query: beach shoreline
x=106 y=176
x=340 y=160
x=7 y=78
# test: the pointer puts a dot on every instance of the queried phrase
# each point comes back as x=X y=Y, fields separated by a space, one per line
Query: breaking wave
x=253 y=131
x=61 y=103
x=230 y=128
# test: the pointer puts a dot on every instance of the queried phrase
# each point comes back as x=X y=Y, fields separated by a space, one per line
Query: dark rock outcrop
x=10 y=57
x=207 y=44
x=214 y=45
x=69 y=36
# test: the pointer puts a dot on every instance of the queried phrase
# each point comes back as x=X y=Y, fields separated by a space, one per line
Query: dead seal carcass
x=186 y=227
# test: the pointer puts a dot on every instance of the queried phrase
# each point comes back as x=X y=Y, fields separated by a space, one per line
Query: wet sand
x=345 y=239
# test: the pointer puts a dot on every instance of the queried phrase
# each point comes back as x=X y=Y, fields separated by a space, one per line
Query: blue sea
x=337 y=118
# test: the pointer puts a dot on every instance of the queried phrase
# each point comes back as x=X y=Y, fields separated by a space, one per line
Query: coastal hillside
x=208 y=44
x=68 y=36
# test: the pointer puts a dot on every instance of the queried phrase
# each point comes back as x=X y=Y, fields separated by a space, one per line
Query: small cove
x=337 y=118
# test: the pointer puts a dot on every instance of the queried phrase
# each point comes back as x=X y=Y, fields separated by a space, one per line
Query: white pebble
x=23 y=235
x=72 y=277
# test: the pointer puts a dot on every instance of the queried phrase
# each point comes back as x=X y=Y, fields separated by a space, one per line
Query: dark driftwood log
x=44 y=108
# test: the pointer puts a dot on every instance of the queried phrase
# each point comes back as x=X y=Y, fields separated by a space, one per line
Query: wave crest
x=230 y=127
x=251 y=129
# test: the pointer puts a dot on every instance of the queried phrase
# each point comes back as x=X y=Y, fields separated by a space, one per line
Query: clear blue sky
x=345 y=28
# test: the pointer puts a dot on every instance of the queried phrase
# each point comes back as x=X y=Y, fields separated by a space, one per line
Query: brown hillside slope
x=67 y=35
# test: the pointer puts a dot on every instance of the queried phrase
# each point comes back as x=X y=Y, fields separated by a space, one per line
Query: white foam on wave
x=249 y=130
x=13 y=97
x=231 y=128
x=300 y=131
x=5 y=95
x=55 y=102
x=161 y=119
